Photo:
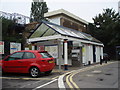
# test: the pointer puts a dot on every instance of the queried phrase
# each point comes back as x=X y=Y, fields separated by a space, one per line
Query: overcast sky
x=85 y=9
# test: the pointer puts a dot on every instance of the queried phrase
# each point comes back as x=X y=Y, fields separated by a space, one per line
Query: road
x=25 y=81
x=99 y=77
x=104 y=77
x=94 y=76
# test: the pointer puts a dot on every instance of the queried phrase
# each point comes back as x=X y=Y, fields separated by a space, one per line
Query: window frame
x=7 y=59
x=29 y=58
x=50 y=56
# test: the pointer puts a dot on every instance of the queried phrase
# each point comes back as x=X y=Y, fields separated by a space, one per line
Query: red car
x=29 y=61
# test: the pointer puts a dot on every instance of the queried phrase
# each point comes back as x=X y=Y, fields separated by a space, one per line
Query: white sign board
x=15 y=47
x=52 y=50
x=1 y=47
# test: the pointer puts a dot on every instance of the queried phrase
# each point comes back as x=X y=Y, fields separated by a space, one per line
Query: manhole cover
x=80 y=80
x=100 y=79
x=108 y=74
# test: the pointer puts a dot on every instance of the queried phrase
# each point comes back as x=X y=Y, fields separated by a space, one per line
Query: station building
x=68 y=44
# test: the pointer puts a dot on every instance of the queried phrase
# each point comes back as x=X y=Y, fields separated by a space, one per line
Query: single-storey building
x=68 y=46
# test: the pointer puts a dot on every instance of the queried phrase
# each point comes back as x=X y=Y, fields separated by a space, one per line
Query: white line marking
x=45 y=84
x=60 y=82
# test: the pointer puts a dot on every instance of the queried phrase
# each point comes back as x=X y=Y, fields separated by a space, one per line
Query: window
x=40 y=31
x=45 y=55
x=15 y=56
x=49 y=32
x=28 y=55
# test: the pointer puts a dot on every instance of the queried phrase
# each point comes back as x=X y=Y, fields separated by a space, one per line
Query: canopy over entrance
x=49 y=31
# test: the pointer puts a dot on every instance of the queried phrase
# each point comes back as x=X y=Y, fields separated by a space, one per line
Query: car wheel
x=48 y=72
x=34 y=72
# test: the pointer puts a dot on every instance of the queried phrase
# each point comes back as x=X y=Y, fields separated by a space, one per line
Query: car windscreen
x=45 y=55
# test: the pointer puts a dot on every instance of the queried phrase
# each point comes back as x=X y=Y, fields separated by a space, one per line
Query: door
x=94 y=54
x=13 y=62
x=29 y=58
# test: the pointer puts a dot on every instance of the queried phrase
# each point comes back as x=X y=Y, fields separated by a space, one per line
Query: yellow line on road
x=71 y=80
x=7 y=78
x=26 y=78
x=30 y=78
x=56 y=77
x=69 y=84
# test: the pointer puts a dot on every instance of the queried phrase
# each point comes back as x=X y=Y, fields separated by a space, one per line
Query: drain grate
x=108 y=74
x=80 y=80
x=100 y=79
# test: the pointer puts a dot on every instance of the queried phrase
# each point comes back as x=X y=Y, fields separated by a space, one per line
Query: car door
x=28 y=59
x=13 y=62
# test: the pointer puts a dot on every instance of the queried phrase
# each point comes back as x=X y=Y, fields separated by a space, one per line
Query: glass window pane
x=49 y=32
x=58 y=29
x=45 y=55
x=15 y=56
x=28 y=55
x=55 y=33
x=42 y=28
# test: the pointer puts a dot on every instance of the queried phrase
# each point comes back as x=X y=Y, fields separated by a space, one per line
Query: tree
x=106 y=28
x=38 y=8
x=11 y=31
x=7 y=28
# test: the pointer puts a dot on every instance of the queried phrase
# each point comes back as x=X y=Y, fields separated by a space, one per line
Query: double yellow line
x=70 y=81
x=69 y=78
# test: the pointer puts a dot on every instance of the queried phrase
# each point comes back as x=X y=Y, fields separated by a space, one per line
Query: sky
x=85 y=9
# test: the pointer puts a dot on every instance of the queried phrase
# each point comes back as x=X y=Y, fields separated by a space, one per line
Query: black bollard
x=101 y=61
x=65 y=67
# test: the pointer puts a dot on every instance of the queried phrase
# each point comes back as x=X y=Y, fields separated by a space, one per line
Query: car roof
x=36 y=51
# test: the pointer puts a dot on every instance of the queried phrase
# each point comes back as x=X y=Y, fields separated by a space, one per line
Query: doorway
x=94 y=55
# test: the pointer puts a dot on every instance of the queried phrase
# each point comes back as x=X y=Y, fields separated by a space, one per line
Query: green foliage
x=37 y=11
x=9 y=31
x=6 y=28
x=106 y=27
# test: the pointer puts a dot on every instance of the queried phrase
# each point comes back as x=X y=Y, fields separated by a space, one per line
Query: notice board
x=1 y=47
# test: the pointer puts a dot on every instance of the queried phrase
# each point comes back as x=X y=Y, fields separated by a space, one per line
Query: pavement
x=70 y=68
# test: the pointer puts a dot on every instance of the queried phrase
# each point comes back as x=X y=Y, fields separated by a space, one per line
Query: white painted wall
x=91 y=53
x=98 y=53
x=85 y=54
x=101 y=51
x=55 y=20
